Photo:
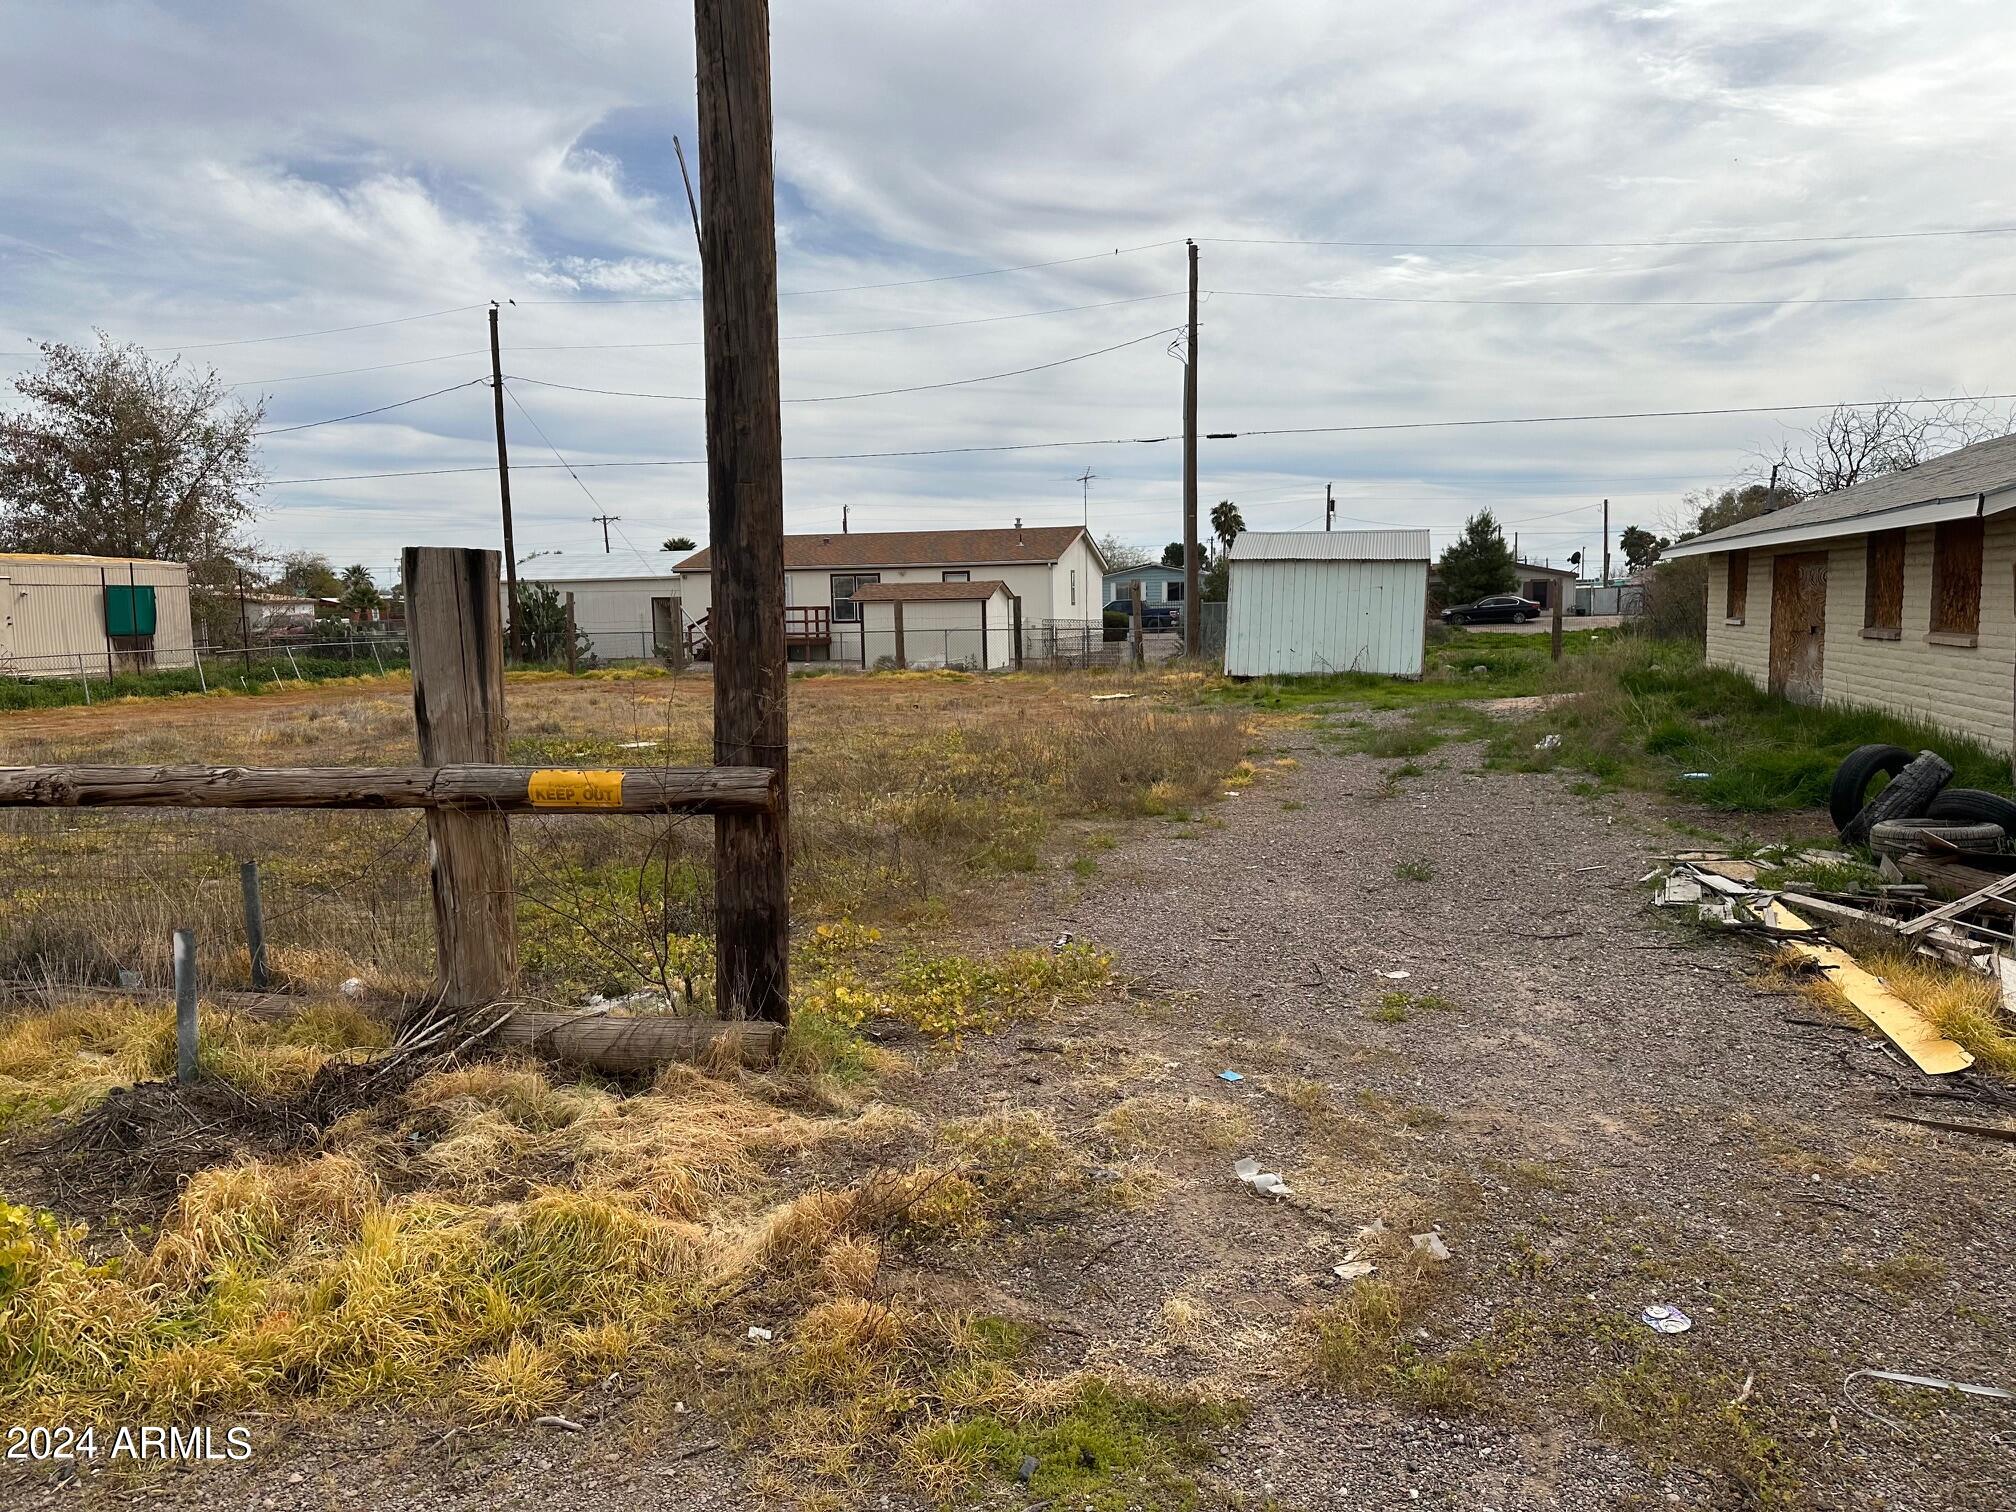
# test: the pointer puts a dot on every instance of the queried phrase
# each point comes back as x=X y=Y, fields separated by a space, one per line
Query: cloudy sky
x=1514 y=210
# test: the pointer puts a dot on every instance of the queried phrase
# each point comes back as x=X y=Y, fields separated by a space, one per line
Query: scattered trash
x=1353 y=1270
x=1431 y=1245
x=565 y=1425
x=1396 y=976
x=1930 y=1383
x=1109 y=697
x=1697 y=776
x=1267 y=1183
x=761 y=1335
x=1547 y=743
x=128 y=978
x=1061 y=941
x=353 y=987
x=1663 y=1317
x=1231 y=1076
x=1026 y=1471
x=1679 y=889
x=637 y=745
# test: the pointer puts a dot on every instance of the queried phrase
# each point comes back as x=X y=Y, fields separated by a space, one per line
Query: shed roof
x=1032 y=544
x=67 y=560
x=890 y=593
x=1956 y=480
x=1330 y=546
x=1545 y=571
x=598 y=566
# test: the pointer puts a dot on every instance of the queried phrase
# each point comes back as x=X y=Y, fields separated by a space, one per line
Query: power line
x=281 y=430
x=1454 y=299
x=541 y=431
x=1702 y=241
x=1307 y=430
x=914 y=388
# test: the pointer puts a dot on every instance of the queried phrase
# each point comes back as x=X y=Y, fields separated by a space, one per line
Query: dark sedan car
x=1498 y=609
x=1153 y=616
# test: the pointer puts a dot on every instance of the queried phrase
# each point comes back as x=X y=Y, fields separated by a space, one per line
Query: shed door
x=1798 y=624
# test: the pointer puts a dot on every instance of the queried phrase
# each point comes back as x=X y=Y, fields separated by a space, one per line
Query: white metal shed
x=1314 y=601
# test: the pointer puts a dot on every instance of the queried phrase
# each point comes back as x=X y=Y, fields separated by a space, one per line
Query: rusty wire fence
x=605 y=904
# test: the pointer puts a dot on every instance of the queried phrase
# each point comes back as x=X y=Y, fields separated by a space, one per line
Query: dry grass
x=1965 y=1006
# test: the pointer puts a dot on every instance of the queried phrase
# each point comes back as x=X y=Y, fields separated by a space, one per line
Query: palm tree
x=1226 y=522
x=359 y=592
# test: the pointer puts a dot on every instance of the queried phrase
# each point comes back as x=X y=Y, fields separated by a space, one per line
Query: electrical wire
x=1452 y=299
x=914 y=388
x=1703 y=241
x=281 y=430
x=541 y=431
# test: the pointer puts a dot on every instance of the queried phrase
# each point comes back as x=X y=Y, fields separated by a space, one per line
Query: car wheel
x=1459 y=619
x=1908 y=796
x=1521 y=617
x=1904 y=837
x=1973 y=806
x=1850 y=789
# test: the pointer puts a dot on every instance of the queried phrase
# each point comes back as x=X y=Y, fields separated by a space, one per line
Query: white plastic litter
x=1266 y=1183
x=1663 y=1317
x=761 y=1335
x=1396 y=976
x=1547 y=743
x=1431 y=1245
x=353 y=987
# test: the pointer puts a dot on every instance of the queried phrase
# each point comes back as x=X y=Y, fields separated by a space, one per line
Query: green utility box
x=129 y=610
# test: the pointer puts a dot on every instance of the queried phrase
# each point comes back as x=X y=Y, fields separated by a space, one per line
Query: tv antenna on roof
x=1085 y=495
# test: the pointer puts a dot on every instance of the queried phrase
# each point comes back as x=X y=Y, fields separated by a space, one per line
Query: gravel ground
x=1606 y=1114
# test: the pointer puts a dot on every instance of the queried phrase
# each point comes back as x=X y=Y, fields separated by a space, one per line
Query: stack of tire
x=1916 y=811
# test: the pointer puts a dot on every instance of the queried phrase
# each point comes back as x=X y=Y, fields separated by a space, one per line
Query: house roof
x=1145 y=570
x=890 y=593
x=71 y=560
x=598 y=566
x=1330 y=546
x=1559 y=572
x=1947 y=487
x=1032 y=544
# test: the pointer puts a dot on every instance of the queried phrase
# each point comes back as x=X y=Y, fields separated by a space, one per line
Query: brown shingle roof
x=917 y=548
x=889 y=593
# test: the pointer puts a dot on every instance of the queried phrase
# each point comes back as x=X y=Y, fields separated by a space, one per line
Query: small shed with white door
x=1317 y=601
x=937 y=624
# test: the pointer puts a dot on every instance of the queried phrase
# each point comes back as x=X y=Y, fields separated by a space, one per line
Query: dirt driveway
x=1596 y=1111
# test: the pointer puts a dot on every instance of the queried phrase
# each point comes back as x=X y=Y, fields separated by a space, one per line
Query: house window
x=1883 y=586
x=845 y=610
x=1074 y=587
x=1173 y=594
x=1956 y=580
x=955 y=575
x=1738 y=593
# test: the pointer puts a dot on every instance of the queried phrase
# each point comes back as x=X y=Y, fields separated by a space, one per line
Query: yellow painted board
x=1908 y=1029
x=554 y=787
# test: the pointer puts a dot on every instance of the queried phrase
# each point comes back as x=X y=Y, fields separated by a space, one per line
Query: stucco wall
x=1966 y=689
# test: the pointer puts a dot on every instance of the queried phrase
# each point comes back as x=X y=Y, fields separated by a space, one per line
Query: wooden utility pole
x=1134 y=621
x=504 y=487
x=902 y=662
x=1556 y=596
x=605 y=521
x=1330 y=509
x=457 y=648
x=1193 y=611
x=1018 y=639
x=745 y=497
x=1606 y=543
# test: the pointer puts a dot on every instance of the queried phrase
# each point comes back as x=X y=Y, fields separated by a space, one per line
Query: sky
x=320 y=201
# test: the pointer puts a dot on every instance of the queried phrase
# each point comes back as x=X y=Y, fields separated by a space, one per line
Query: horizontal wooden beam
x=501 y=789
x=620 y=1046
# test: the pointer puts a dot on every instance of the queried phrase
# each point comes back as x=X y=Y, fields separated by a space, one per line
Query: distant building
x=62 y=616
x=1316 y=601
x=1159 y=584
x=956 y=624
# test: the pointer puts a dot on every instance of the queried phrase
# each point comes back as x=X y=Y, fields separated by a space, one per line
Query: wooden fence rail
x=474 y=786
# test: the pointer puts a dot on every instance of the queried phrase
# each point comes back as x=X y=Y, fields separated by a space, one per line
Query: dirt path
x=1598 y=1111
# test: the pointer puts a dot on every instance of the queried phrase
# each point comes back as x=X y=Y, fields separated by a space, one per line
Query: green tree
x=359 y=591
x=308 y=574
x=1641 y=547
x=1172 y=554
x=677 y=543
x=1120 y=555
x=1477 y=563
x=1226 y=523
x=1714 y=511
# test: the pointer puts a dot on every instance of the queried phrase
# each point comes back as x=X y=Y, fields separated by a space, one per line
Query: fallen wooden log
x=468 y=785
x=623 y=1046
x=1956 y=879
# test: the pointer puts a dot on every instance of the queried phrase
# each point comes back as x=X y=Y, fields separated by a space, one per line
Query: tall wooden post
x=456 y=642
x=1018 y=632
x=1556 y=596
x=1193 y=616
x=504 y=488
x=745 y=497
x=1134 y=620
x=573 y=640
x=902 y=663
x=678 y=635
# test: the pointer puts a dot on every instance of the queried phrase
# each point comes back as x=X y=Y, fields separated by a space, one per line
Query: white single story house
x=1896 y=594
x=1055 y=570
x=956 y=624
x=623 y=600
x=70 y=616
x=1315 y=601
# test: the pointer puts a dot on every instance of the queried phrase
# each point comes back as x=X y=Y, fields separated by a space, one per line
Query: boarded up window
x=1956 y=577
x=1883 y=589
x=1739 y=585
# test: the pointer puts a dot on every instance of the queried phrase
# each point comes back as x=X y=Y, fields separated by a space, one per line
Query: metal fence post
x=196 y=652
x=185 y=1006
x=255 y=922
x=294 y=664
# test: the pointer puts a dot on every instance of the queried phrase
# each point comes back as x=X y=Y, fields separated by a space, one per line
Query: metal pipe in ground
x=185 y=1006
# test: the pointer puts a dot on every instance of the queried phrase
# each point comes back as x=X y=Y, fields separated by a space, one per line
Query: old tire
x=1901 y=837
x=1972 y=806
x=1850 y=792
x=1908 y=796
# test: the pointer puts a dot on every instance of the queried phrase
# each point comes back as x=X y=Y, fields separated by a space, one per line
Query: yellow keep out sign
x=556 y=787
